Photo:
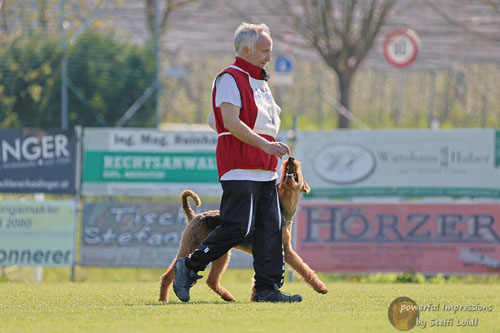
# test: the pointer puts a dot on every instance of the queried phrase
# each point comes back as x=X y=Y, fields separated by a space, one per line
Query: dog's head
x=290 y=187
x=291 y=176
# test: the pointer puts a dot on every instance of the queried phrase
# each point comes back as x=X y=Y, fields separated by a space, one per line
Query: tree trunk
x=345 y=98
x=3 y=16
x=151 y=15
x=42 y=14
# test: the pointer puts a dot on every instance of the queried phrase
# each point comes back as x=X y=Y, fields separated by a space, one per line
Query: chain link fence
x=105 y=63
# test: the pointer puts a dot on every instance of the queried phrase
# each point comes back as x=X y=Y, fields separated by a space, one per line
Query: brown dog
x=200 y=225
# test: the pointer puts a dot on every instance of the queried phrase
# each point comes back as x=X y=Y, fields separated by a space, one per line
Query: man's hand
x=276 y=148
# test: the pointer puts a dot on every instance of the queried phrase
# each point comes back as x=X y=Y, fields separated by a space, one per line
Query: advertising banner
x=34 y=160
x=37 y=233
x=426 y=238
x=146 y=162
x=406 y=163
x=137 y=234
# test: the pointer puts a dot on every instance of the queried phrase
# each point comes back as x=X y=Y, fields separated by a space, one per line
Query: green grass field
x=131 y=306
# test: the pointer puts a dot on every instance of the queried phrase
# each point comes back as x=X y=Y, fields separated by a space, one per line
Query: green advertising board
x=151 y=167
x=148 y=162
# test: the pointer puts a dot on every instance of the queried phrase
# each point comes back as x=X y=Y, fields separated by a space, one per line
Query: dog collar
x=286 y=221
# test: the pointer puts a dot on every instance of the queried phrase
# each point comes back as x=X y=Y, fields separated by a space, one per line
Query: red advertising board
x=461 y=238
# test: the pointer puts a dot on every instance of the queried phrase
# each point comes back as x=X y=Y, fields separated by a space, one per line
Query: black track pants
x=247 y=207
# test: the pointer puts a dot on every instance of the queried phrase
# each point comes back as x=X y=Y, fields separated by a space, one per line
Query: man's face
x=262 y=53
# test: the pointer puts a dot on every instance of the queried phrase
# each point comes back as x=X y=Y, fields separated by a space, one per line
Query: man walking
x=247 y=119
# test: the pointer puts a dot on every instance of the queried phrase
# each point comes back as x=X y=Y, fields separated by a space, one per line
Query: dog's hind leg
x=187 y=245
x=168 y=277
x=299 y=266
x=217 y=268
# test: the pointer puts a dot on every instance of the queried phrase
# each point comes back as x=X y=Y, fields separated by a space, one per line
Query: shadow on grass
x=183 y=303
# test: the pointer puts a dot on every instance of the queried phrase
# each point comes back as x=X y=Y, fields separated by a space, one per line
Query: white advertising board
x=37 y=233
x=414 y=163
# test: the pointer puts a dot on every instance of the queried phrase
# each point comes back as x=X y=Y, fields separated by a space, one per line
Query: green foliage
x=28 y=88
x=410 y=277
x=111 y=76
x=108 y=77
x=438 y=279
x=130 y=274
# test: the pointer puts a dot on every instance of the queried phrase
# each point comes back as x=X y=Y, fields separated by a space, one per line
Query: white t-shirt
x=226 y=91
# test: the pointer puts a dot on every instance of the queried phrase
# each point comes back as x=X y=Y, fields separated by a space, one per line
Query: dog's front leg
x=298 y=265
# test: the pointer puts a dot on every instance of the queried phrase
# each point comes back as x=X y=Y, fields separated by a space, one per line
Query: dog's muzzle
x=290 y=173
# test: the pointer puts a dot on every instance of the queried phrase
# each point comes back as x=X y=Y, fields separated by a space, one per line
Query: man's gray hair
x=247 y=34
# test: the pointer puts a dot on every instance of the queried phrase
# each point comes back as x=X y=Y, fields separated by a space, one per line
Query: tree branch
x=235 y=9
x=348 y=12
x=325 y=16
x=494 y=4
x=464 y=27
x=170 y=6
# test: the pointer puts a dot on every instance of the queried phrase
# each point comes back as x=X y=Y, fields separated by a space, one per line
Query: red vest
x=258 y=111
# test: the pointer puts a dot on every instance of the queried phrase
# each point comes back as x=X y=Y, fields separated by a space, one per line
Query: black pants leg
x=267 y=240
x=237 y=211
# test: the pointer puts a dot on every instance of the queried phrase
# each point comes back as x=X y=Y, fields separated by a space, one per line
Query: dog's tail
x=186 y=206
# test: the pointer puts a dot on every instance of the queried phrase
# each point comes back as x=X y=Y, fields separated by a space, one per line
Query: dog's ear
x=305 y=188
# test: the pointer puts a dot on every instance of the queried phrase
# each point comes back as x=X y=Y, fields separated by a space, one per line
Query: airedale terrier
x=200 y=225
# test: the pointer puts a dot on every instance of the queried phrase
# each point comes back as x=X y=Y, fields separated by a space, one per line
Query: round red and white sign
x=401 y=47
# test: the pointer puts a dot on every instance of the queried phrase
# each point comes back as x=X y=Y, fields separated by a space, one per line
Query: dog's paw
x=229 y=298
x=320 y=288
x=323 y=290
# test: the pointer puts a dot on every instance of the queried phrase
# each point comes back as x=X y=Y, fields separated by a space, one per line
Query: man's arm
x=230 y=116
